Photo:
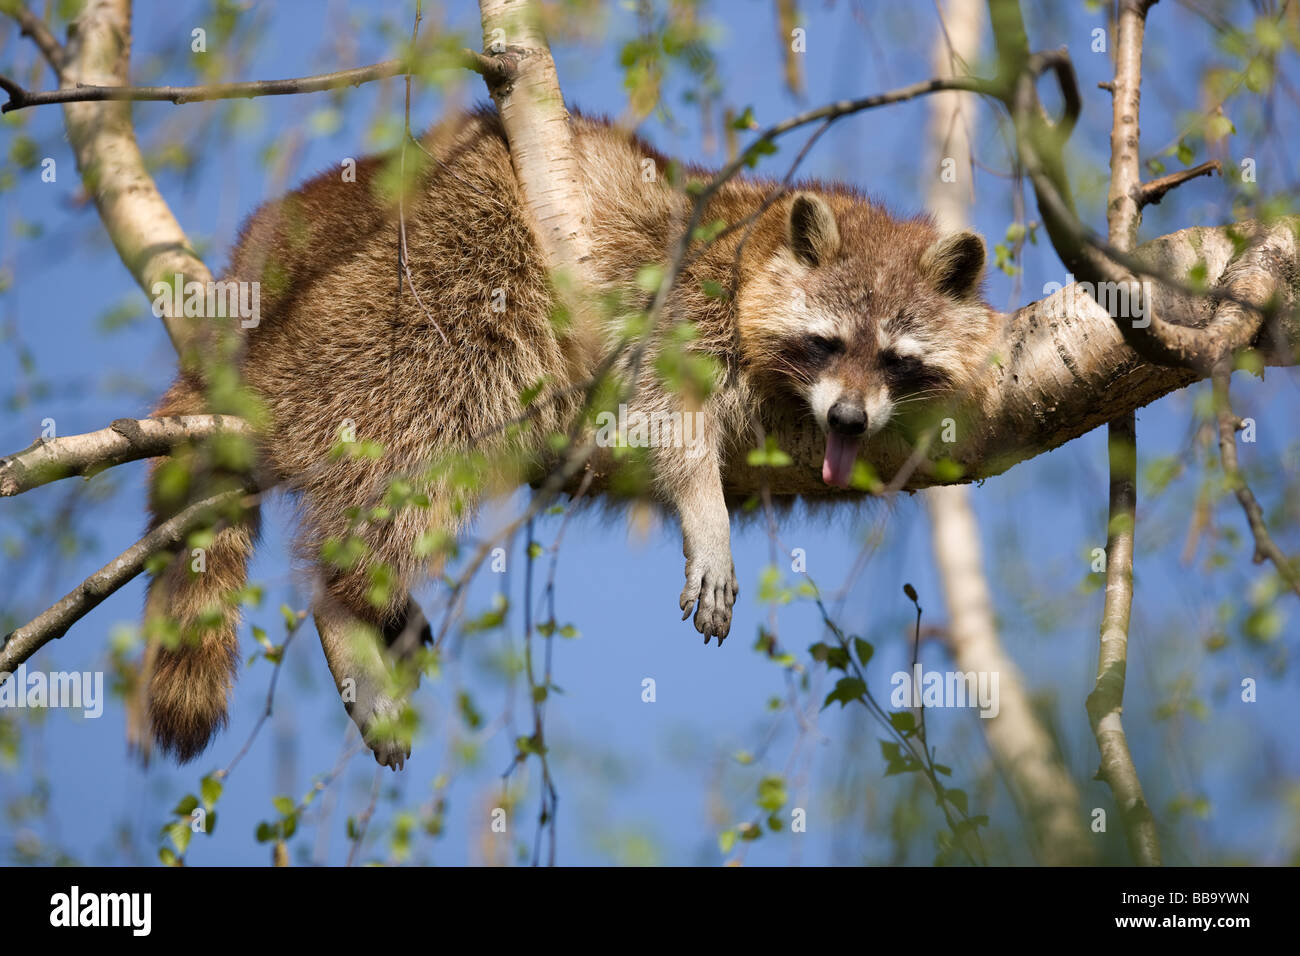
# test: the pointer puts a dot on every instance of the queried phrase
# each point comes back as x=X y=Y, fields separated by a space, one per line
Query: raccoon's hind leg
x=372 y=635
x=369 y=656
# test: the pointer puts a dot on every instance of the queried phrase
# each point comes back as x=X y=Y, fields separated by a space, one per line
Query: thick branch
x=52 y=624
x=1060 y=369
x=1022 y=750
x=1087 y=256
x=127 y=439
x=1106 y=702
x=147 y=236
x=1123 y=209
x=531 y=106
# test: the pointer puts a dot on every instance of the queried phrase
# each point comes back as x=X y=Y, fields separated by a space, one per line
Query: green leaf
x=649 y=277
x=710 y=231
x=957 y=798
x=1218 y=126
x=529 y=745
x=210 y=789
x=284 y=804
x=771 y=793
x=468 y=712
x=769 y=456
x=745 y=120
x=864 y=650
x=186 y=806
x=848 y=689
x=837 y=658
x=904 y=721
x=727 y=841
x=764 y=147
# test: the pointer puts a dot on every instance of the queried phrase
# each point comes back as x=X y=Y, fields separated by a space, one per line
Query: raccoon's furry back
x=436 y=369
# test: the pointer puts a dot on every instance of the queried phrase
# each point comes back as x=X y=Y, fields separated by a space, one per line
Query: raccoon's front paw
x=385 y=732
x=712 y=583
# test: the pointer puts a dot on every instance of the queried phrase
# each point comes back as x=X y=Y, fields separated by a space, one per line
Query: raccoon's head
x=858 y=313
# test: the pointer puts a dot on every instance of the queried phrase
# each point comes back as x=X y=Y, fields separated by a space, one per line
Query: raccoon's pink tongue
x=841 y=452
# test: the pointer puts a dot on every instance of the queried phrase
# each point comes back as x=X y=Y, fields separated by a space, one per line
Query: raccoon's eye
x=908 y=372
x=821 y=347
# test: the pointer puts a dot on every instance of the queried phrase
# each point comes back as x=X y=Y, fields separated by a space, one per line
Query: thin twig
x=30 y=25
x=1265 y=548
x=20 y=98
x=1150 y=193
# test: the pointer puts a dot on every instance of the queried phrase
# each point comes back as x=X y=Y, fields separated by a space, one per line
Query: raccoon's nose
x=847 y=419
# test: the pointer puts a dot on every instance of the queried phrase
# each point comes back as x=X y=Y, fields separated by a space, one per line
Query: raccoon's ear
x=955 y=263
x=812 y=232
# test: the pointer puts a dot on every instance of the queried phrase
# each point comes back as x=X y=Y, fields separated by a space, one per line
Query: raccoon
x=828 y=304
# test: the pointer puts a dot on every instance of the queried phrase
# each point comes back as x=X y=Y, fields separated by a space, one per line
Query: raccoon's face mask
x=876 y=328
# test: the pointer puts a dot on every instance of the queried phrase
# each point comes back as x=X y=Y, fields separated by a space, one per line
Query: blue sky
x=651 y=782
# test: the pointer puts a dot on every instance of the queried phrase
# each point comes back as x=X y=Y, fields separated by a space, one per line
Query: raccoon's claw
x=711 y=593
x=381 y=728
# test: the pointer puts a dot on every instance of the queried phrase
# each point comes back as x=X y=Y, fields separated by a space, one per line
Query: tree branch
x=1022 y=750
x=52 y=624
x=1150 y=193
x=526 y=91
x=30 y=25
x=148 y=239
x=1265 y=548
x=20 y=98
x=1061 y=368
x=493 y=68
x=1086 y=255
x=1106 y=703
x=127 y=439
